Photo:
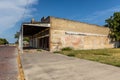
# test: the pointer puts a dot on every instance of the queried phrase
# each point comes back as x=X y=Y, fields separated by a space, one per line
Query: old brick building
x=53 y=33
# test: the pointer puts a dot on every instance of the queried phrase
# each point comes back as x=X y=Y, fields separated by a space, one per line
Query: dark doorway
x=44 y=43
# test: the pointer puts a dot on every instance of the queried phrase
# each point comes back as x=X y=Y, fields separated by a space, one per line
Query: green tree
x=3 y=41
x=17 y=36
x=26 y=39
x=114 y=24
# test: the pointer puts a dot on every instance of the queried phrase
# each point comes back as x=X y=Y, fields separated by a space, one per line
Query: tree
x=114 y=24
x=3 y=41
x=26 y=39
x=17 y=36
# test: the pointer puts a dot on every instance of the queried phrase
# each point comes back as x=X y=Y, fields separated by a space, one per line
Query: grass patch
x=67 y=49
x=107 y=56
x=71 y=55
x=56 y=52
x=39 y=50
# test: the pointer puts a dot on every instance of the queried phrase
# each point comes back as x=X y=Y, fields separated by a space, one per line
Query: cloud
x=11 y=11
x=101 y=15
x=97 y=17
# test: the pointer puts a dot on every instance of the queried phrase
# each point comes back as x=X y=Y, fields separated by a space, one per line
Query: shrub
x=67 y=49
x=71 y=54
x=56 y=52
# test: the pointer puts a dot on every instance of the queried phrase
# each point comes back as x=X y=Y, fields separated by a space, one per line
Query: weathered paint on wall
x=59 y=39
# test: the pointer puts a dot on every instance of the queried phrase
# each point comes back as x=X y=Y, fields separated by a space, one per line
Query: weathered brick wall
x=60 y=39
x=68 y=25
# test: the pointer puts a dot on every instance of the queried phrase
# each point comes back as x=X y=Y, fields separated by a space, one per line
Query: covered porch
x=38 y=35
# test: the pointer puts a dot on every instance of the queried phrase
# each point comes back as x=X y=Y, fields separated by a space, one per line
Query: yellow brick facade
x=97 y=37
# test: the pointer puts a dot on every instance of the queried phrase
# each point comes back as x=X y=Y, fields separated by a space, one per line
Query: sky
x=14 y=12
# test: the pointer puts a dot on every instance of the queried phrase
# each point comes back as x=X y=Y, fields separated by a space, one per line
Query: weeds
x=67 y=49
x=107 y=56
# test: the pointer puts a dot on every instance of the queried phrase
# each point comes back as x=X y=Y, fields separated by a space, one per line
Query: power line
x=24 y=13
x=25 y=9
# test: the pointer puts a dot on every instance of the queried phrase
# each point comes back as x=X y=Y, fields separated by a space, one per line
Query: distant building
x=53 y=33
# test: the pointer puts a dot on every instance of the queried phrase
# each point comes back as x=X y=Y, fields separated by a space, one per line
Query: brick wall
x=68 y=25
x=59 y=38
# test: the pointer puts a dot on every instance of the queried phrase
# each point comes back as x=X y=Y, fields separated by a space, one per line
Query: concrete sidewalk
x=48 y=66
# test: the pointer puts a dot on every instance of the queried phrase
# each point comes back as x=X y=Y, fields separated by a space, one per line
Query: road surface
x=8 y=63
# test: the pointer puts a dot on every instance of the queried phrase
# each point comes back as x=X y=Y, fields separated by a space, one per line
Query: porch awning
x=31 y=29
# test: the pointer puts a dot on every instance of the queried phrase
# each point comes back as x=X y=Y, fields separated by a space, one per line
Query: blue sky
x=14 y=12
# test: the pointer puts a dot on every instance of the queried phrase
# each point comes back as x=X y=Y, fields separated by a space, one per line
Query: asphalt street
x=8 y=63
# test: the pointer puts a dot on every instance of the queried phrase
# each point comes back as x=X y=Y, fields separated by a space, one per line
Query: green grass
x=39 y=50
x=56 y=52
x=107 y=56
x=67 y=49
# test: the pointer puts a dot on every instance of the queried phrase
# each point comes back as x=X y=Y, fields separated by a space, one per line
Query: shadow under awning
x=31 y=29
